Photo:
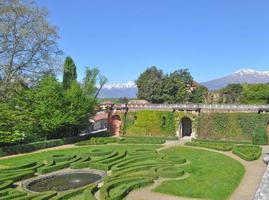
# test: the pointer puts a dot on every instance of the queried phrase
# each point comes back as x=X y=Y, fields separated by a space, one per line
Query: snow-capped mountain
x=240 y=76
x=129 y=84
x=117 y=90
x=129 y=89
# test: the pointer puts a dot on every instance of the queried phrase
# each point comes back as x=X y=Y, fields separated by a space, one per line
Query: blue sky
x=123 y=37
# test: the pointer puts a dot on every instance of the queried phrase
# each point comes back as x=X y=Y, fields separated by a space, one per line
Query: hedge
x=5 y=184
x=170 y=172
x=248 y=152
x=245 y=151
x=57 y=166
x=223 y=141
x=12 y=194
x=130 y=183
x=129 y=170
x=39 y=196
x=17 y=176
x=24 y=148
x=233 y=126
x=216 y=146
x=74 y=192
x=125 y=140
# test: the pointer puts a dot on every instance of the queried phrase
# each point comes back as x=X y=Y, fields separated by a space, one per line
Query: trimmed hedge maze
x=245 y=151
x=127 y=169
x=125 y=140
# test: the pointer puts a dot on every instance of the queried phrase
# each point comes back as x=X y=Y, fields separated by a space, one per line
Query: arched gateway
x=186 y=127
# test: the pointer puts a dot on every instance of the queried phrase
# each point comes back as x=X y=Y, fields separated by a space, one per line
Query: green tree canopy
x=255 y=94
x=149 y=85
x=198 y=95
x=48 y=104
x=70 y=72
x=174 y=88
x=232 y=93
x=156 y=87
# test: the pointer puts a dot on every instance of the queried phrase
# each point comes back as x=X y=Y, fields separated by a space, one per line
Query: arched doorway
x=116 y=125
x=186 y=127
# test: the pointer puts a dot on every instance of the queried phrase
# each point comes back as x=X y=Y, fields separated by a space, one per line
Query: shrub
x=5 y=184
x=170 y=172
x=12 y=194
x=74 y=192
x=24 y=148
x=17 y=176
x=223 y=141
x=248 y=152
x=216 y=146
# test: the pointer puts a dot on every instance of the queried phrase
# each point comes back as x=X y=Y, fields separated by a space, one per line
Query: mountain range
x=241 y=76
x=129 y=90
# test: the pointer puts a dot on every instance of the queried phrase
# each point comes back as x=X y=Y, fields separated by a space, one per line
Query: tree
x=174 y=89
x=17 y=122
x=232 y=93
x=149 y=85
x=70 y=72
x=176 y=86
x=198 y=95
x=185 y=76
x=255 y=94
x=28 y=45
x=78 y=108
x=49 y=107
x=89 y=82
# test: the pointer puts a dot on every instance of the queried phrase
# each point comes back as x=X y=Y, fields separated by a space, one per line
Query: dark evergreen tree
x=70 y=72
x=149 y=85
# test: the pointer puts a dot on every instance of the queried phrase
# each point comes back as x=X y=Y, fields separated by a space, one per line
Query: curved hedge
x=248 y=152
x=244 y=151
x=170 y=172
x=130 y=169
x=210 y=145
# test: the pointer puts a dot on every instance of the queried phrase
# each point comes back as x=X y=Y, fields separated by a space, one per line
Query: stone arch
x=179 y=115
x=116 y=125
x=186 y=127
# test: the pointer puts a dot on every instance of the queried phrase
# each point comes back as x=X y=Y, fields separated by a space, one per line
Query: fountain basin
x=63 y=180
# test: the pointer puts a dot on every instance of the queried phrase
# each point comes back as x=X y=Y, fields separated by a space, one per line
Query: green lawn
x=212 y=175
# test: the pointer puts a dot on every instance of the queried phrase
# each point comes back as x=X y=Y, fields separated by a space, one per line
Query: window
x=163 y=121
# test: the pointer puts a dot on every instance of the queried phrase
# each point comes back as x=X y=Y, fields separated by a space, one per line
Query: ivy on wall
x=149 y=123
x=233 y=126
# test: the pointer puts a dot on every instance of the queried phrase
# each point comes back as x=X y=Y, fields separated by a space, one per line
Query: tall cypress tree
x=70 y=72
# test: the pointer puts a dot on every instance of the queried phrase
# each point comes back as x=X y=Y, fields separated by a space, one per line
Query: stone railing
x=231 y=107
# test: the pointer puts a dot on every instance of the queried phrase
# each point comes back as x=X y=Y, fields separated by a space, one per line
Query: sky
x=122 y=38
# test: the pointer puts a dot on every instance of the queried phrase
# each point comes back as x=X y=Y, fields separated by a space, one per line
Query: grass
x=212 y=175
x=245 y=151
